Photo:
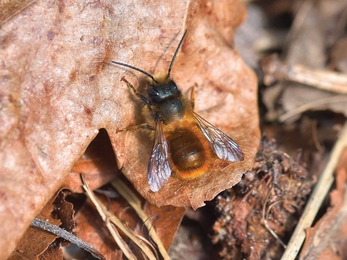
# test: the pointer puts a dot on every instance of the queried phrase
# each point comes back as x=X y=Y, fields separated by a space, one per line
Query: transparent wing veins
x=159 y=170
x=225 y=147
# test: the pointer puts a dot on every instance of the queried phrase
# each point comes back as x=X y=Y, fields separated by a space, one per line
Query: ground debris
x=263 y=209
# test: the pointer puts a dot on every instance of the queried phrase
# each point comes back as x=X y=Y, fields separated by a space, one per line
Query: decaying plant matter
x=256 y=214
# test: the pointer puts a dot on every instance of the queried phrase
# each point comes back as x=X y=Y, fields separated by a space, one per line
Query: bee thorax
x=171 y=110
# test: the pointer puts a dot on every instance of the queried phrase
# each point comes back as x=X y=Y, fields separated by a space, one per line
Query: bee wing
x=225 y=147
x=159 y=169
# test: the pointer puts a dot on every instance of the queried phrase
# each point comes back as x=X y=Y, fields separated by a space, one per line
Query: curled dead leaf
x=57 y=90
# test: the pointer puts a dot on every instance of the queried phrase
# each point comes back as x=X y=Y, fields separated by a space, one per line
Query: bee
x=184 y=142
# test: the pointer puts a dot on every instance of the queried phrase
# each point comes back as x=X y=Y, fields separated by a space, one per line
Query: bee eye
x=153 y=94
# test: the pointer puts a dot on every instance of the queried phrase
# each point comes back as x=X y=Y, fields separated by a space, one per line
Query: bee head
x=162 y=89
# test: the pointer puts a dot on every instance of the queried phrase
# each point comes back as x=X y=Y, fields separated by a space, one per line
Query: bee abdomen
x=188 y=153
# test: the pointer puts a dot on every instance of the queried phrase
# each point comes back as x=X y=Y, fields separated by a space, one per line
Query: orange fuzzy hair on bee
x=190 y=152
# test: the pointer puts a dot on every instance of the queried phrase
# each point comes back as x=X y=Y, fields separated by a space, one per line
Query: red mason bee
x=184 y=143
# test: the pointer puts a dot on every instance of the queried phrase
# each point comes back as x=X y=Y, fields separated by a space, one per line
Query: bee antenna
x=134 y=68
x=174 y=56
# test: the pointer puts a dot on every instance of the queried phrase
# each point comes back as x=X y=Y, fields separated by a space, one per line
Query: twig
x=135 y=203
x=38 y=223
x=111 y=221
x=319 y=193
x=275 y=70
x=311 y=105
x=103 y=213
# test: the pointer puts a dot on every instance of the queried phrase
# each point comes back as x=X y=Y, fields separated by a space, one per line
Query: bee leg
x=142 y=97
x=136 y=128
x=192 y=95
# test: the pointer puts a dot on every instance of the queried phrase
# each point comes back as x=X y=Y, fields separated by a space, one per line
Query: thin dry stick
x=111 y=221
x=319 y=193
x=312 y=105
x=331 y=81
x=39 y=223
x=141 y=242
x=135 y=203
x=103 y=213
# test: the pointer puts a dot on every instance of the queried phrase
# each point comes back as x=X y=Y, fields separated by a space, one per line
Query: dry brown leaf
x=11 y=8
x=40 y=244
x=64 y=210
x=97 y=164
x=91 y=229
x=36 y=241
x=226 y=98
x=57 y=90
x=166 y=221
x=52 y=253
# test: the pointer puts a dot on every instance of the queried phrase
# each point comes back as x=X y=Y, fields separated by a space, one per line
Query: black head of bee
x=159 y=92
x=163 y=93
